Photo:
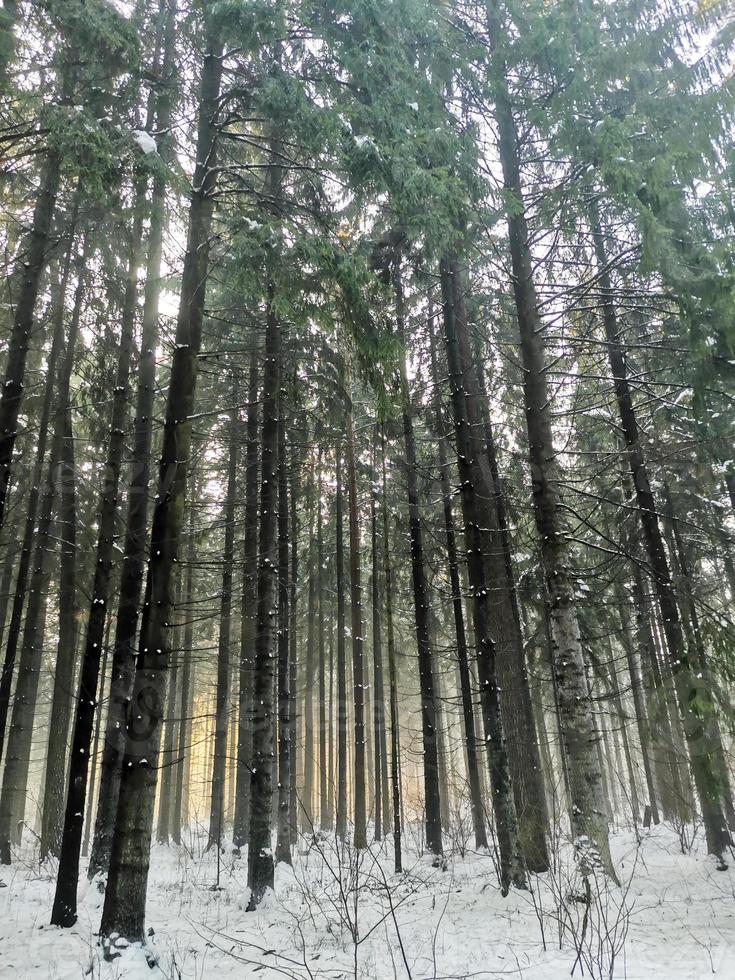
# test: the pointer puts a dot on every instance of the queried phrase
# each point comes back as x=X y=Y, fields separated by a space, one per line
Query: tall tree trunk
x=260 y=857
x=324 y=815
x=473 y=484
x=693 y=698
x=587 y=815
x=61 y=704
x=219 y=769
x=179 y=810
x=247 y=614
x=392 y=677
x=124 y=908
x=341 y=656
x=381 y=762
x=136 y=524
x=468 y=717
x=358 y=680
x=432 y=798
x=307 y=800
x=292 y=664
x=283 y=835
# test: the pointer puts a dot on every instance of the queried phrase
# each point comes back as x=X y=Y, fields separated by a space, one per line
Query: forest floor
x=672 y=918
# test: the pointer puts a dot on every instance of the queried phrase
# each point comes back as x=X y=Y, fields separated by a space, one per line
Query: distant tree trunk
x=588 y=820
x=260 y=857
x=124 y=908
x=358 y=680
x=393 y=677
x=32 y=261
x=473 y=483
x=283 y=836
x=341 y=657
x=247 y=615
x=219 y=769
x=693 y=698
x=136 y=524
x=468 y=717
x=179 y=811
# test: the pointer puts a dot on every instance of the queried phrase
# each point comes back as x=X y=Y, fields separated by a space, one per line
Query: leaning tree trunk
x=247 y=615
x=216 y=810
x=124 y=908
x=432 y=799
x=136 y=524
x=358 y=681
x=693 y=698
x=587 y=814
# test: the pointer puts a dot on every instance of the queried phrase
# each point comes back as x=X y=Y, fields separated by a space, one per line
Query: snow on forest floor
x=673 y=918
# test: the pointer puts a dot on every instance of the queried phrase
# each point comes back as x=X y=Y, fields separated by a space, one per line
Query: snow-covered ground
x=672 y=918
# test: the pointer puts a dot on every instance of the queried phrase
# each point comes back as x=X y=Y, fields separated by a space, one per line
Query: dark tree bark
x=247 y=614
x=219 y=769
x=124 y=909
x=260 y=857
x=292 y=662
x=382 y=819
x=358 y=680
x=324 y=814
x=307 y=800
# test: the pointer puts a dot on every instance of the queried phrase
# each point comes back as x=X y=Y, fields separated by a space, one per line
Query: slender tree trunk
x=358 y=680
x=473 y=775
x=381 y=767
x=292 y=665
x=307 y=802
x=61 y=704
x=165 y=790
x=341 y=657
x=432 y=797
x=260 y=858
x=179 y=810
x=324 y=816
x=247 y=615
x=588 y=820
x=219 y=769
x=693 y=698
x=124 y=909
x=95 y=751
x=283 y=836
x=392 y=677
